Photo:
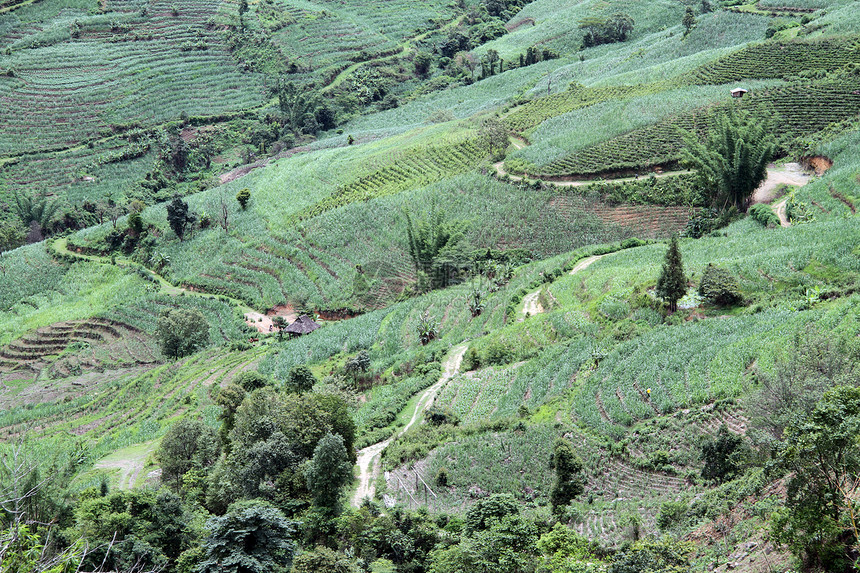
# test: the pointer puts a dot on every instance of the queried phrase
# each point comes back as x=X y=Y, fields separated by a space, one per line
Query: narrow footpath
x=370 y=458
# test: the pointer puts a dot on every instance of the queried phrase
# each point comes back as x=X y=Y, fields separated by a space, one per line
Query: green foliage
x=422 y=62
x=434 y=246
x=720 y=287
x=300 y=379
x=181 y=332
x=569 y=475
x=179 y=217
x=665 y=556
x=251 y=380
x=428 y=329
x=733 y=160
x=188 y=444
x=763 y=213
x=723 y=456
x=35 y=212
x=598 y=31
x=138 y=528
x=243 y=196
x=812 y=362
x=672 y=283
x=485 y=512
x=252 y=537
x=328 y=471
x=323 y=560
x=672 y=515
x=689 y=21
x=822 y=451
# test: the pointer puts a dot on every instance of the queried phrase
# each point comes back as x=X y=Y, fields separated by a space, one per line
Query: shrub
x=251 y=380
x=181 y=332
x=719 y=286
x=672 y=514
x=300 y=379
x=764 y=214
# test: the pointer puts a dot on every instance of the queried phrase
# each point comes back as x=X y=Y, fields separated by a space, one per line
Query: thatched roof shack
x=303 y=325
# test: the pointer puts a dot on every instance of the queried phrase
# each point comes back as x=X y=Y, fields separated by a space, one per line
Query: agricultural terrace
x=119 y=69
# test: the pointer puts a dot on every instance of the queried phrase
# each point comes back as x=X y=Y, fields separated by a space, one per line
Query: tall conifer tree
x=672 y=283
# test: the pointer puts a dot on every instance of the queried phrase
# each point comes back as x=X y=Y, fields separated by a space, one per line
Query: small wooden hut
x=739 y=92
x=303 y=325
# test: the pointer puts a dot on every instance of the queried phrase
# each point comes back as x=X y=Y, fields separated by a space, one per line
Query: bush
x=764 y=214
x=300 y=379
x=252 y=380
x=181 y=332
x=672 y=514
x=719 y=287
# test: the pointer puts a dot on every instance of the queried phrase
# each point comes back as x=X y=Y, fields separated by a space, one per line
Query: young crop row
x=779 y=59
x=64 y=93
x=800 y=109
x=416 y=168
x=537 y=111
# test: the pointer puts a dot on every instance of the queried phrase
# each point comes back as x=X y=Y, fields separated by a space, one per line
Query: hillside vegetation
x=476 y=201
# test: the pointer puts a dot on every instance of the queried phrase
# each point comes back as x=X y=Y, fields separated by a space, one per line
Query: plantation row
x=779 y=59
x=80 y=174
x=331 y=36
x=537 y=111
x=801 y=109
x=65 y=93
x=415 y=168
x=120 y=408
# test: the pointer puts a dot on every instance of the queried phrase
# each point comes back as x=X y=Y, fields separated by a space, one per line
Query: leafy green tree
x=672 y=283
x=666 y=556
x=35 y=213
x=565 y=551
x=229 y=397
x=569 y=475
x=179 y=217
x=598 y=31
x=723 y=455
x=422 y=62
x=11 y=237
x=495 y=137
x=300 y=379
x=489 y=510
x=719 y=286
x=813 y=362
x=689 y=20
x=188 y=444
x=323 y=560
x=243 y=196
x=733 y=158
x=329 y=471
x=822 y=452
x=181 y=332
x=433 y=246
x=141 y=529
x=251 y=380
x=280 y=323
x=253 y=537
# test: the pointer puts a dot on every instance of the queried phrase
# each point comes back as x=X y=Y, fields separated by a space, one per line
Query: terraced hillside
x=481 y=241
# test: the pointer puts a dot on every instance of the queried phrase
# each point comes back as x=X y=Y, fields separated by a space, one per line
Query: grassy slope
x=688 y=365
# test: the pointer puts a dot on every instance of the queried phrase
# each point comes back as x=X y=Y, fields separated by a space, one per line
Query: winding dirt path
x=531 y=306
x=500 y=169
x=370 y=459
x=791 y=174
x=129 y=461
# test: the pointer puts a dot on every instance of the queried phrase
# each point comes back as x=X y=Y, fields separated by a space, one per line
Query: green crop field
x=481 y=245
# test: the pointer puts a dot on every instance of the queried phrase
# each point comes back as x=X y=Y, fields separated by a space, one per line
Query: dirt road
x=369 y=459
